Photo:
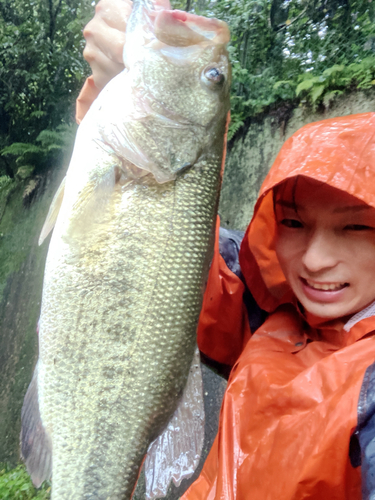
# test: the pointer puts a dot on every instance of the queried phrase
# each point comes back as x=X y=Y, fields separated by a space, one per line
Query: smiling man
x=326 y=247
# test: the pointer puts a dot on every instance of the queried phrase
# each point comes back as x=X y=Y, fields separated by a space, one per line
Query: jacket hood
x=339 y=152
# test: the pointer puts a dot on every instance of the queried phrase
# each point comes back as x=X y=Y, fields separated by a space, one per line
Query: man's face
x=326 y=247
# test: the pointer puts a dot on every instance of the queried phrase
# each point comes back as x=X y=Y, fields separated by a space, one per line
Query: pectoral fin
x=92 y=200
x=175 y=454
x=36 y=446
x=52 y=213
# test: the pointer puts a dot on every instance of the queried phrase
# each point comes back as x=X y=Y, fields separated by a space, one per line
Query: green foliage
x=34 y=157
x=237 y=121
x=15 y=484
x=306 y=51
x=41 y=72
x=5 y=181
x=335 y=80
x=293 y=50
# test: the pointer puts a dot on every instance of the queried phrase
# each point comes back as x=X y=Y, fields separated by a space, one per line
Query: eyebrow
x=352 y=208
x=349 y=208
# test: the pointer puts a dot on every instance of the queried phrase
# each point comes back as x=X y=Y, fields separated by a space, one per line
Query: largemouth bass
x=128 y=259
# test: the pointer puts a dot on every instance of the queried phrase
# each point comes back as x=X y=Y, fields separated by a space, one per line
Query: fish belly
x=121 y=301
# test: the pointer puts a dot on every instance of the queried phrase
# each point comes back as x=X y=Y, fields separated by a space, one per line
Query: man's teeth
x=325 y=286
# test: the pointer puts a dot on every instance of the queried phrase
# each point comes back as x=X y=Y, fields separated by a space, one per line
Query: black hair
x=280 y=189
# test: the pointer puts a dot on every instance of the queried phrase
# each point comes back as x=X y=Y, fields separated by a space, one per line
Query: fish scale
x=127 y=265
x=128 y=358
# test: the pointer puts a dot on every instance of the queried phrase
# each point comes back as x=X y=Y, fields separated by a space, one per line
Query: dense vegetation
x=281 y=50
x=41 y=72
x=296 y=50
x=16 y=484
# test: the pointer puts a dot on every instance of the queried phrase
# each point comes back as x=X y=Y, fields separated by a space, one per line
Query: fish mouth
x=181 y=29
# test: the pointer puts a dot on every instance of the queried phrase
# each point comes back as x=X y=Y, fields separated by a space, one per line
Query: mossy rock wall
x=252 y=153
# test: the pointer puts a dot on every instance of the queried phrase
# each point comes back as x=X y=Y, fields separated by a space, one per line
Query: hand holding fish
x=105 y=39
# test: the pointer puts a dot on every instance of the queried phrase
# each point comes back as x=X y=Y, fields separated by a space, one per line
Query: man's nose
x=321 y=252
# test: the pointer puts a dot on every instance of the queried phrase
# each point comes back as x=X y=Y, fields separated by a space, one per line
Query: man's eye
x=292 y=223
x=358 y=227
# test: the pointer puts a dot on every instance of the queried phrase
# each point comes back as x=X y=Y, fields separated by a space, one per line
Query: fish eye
x=212 y=75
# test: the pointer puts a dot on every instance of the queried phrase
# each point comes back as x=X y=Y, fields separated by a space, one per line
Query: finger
x=108 y=40
x=103 y=69
x=114 y=12
x=162 y=4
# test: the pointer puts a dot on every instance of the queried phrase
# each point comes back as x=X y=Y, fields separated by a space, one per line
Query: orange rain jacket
x=298 y=416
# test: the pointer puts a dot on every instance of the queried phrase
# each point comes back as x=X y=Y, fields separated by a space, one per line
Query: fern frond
x=20 y=148
x=233 y=128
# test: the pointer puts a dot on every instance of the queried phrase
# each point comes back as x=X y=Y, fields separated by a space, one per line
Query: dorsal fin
x=52 y=213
